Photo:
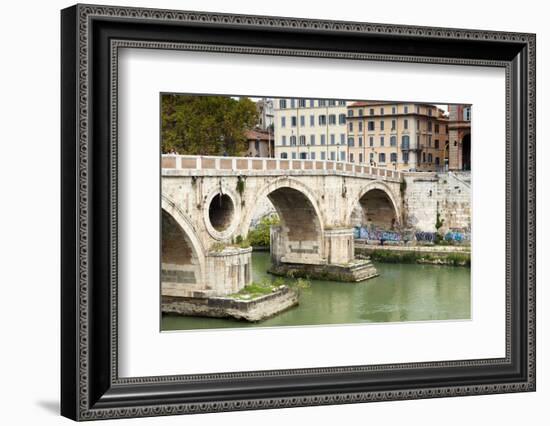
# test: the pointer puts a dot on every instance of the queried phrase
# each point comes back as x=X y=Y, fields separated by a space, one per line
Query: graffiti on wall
x=452 y=236
x=457 y=236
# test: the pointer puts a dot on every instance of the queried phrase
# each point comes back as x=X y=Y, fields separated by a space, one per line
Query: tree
x=206 y=125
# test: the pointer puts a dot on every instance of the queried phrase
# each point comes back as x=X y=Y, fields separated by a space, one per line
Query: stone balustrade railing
x=254 y=164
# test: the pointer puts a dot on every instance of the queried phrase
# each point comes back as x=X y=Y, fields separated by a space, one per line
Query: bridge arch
x=300 y=192
x=378 y=205
x=183 y=259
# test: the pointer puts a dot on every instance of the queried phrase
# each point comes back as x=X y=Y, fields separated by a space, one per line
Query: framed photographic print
x=263 y=212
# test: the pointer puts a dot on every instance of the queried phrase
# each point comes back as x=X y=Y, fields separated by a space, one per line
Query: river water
x=402 y=292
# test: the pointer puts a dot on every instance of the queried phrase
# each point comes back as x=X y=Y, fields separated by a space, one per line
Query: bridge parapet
x=193 y=165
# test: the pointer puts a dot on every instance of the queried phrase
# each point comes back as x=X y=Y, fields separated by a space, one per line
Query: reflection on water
x=401 y=293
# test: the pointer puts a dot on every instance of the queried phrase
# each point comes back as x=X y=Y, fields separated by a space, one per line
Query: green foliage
x=438 y=220
x=403 y=186
x=206 y=125
x=260 y=235
x=240 y=185
x=386 y=256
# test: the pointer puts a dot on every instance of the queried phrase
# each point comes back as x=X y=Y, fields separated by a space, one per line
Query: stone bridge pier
x=208 y=206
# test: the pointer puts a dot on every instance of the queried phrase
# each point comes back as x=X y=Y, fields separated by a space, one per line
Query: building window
x=302 y=140
x=405 y=124
x=350 y=113
x=332 y=138
x=293 y=103
x=393 y=141
x=322 y=120
x=381 y=124
x=283 y=121
x=429 y=126
x=360 y=140
x=350 y=127
x=393 y=122
x=371 y=111
x=360 y=112
x=311 y=103
x=430 y=112
x=342 y=156
x=332 y=155
x=293 y=141
x=393 y=157
x=370 y=126
x=342 y=102
x=283 y=140
x=351 y=157
x=430 y=158
x=405 y=142
x=312 y=156
x=437 y=161
x=360 y=124
x=418 y=109
x=436 y=128
x=303 y=155
x=342 y=119
x=360 y=157
x=467 y=114
x=321 y=102
x=405 y=156
x=381 y=140
x=332 y=119
x=294 y=156
x=311 y=120
x=302 y=120
x=381 y=111
x=342 y=138
x=301 y=103
x=371 y=157
x=312 y=139
x=393 y=110
x=293 y=121
x=351 y=142
x=430 y=141
x=323 y=141
x=382 y=158
x=282 y=104
x=436 y=142
x=406 y=109
x=331 y=102
x=323 y=155
x=423 y=157
x=284 y=155
x=371 y=141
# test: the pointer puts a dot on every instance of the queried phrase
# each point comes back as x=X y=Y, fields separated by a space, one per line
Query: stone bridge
x=208 y=204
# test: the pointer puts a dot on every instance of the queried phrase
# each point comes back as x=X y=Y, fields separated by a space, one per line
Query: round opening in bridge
x=220 y=212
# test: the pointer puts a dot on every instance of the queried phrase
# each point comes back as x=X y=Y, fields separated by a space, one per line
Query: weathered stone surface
x=355 y=271
x=225 y=307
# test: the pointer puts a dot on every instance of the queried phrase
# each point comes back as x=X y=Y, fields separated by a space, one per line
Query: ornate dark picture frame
x=91 y=37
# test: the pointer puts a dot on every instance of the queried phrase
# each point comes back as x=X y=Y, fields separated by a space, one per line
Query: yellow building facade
x=400 y=136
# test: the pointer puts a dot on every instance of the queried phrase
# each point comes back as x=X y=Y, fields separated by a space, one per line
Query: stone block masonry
x=426 y=194
x=226 y=307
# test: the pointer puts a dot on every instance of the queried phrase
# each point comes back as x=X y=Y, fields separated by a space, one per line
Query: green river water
x=402 y=292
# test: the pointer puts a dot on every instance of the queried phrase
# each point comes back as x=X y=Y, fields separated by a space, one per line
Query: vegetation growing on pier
x=266 y=286
x=259 y=237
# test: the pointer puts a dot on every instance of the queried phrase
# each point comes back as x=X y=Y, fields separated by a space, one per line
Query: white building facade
x=312 y=129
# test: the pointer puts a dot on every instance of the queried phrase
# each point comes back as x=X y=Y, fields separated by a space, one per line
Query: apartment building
x=401 y=136
x=312 y=129
x=460 y=117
